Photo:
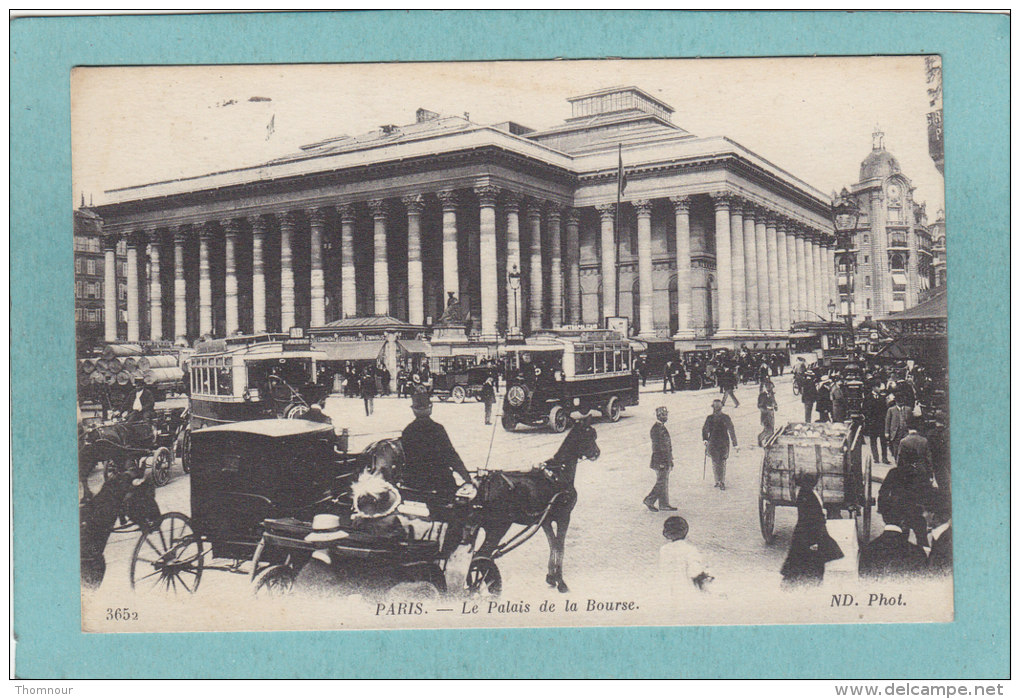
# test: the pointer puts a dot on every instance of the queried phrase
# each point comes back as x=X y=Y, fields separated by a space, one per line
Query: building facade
x=711 y=245
x=888 y=266
x=90 y=283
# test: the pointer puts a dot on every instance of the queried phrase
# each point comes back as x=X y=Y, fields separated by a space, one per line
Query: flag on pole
x=271 y=127
x=621 y=175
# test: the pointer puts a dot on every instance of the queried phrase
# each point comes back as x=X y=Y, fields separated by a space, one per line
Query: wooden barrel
x=158 y=361
x=101 y=365
x=129 y=364
x=97 y=377
x=112 y=351
x=163 y=375
x=137 y=374
x=87 y=366
x=114 y=366
x=110 y=379
x=123 y=378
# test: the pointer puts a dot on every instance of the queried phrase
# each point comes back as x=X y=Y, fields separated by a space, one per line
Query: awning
x=351 y=351
x=802 y=336
x=414 y=346
x=899 y=278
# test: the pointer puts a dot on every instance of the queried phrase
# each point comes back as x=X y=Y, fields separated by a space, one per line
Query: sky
x=813 y=117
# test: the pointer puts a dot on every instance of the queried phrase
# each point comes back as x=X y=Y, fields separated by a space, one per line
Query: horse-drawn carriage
x=256 y=487
x=833 y=451
x=124 y=443
x=461 y=384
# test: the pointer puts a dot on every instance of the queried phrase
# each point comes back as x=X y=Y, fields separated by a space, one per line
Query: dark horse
x=130 y=495
x=508 y=497
x=119 y=445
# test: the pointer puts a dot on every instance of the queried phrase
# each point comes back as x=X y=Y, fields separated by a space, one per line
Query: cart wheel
x=162 y=460
x=612 y=410
x=295 y=412
x=458 y=394
x=558 y=419
x=865 y=520
x=168 y=557
x=483 y=578
x=508 y=422
x=767 y=519
x=186 y=450
x=274 y=581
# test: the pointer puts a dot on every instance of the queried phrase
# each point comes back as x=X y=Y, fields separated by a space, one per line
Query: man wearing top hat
x=430 y=461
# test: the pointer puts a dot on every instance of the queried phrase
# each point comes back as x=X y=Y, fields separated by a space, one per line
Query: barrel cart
x=834 y=451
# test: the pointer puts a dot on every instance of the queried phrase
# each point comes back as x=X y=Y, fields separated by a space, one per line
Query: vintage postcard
x=512 y=344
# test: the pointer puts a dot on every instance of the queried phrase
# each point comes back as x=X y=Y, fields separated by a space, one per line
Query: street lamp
x=514 y=279
x=845 y=215
x=832 y=310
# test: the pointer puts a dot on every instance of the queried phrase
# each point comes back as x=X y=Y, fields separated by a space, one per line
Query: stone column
x=644 y=241
x=573 y=263
x=772 y=254
x=380 y=266
x=723 y=261
x=737 y=283
x=451 y=280
x=110 y=288
x=762 y=268
x=258 y=274
x=180 y=288
x=802 y=277
x=511 y=203
x=782 y=274
x=831 y=267
x=488 y=273
x=155 y=288
x=811 y=279
x=232 y=229
x=751 y=270
x=415 y=278
x=607 y=213
x=205 y=325
x=682 y=212
x=821 y=288
x=133 y=301
x=791 y=273
x=348 y=292
x=534 y=217
x=317 y=278
x=555 y=221
x=287 y=315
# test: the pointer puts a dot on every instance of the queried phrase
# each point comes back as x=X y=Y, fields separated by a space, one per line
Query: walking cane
x=704 y=464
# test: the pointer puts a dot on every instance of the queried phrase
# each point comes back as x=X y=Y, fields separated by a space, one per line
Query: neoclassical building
x=712 y=245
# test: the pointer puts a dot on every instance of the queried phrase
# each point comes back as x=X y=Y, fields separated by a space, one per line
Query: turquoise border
x=46 y=589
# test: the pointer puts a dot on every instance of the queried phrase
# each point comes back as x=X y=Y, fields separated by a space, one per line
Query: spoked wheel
x=274 y=581
x=766 y=510
x=508 y=422
x=613 y=410
x=558 y=419
x=168 y=557
x=162 y=460
x=295 y=412
x=483 y=578
x=458 y=394
x=185 y=449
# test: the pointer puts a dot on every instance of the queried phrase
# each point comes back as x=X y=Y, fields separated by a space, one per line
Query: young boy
x=680 y=563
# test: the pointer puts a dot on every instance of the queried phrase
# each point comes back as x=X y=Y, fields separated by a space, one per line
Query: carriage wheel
x=274 y=581
x=766 y=510
x=864 y=532
x=458 y=394
x=162 y=460
x=168 y=557
x=483 y=577
x=508 y=422
x=558 y=419
x=295 y=412
x=612 y=410
x=186 y=450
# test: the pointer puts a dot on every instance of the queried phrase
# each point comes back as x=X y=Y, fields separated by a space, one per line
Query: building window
x=867 y=303
x=122 y=292
x=867 y=282
x=865 y=238
x=77 y=265
x=866 y=259
x=90 y=266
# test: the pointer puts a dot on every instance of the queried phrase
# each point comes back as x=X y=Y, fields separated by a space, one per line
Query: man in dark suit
x=717 y=432
x=140 y=403
x=429 y=457
x=662 y=463
x=906 y=494
x=811 y=546
x=890 y=553
x=875 y=407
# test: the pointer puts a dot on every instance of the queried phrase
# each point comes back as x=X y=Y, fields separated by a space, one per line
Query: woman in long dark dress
x=811 y=547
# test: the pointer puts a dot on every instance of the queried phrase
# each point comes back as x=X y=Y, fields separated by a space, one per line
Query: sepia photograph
x=501 y=344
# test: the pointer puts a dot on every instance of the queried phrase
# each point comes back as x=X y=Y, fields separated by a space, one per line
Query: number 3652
x=121 y=614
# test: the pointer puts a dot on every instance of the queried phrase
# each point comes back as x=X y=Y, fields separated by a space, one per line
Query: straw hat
x=326 y=528
x=374 y=497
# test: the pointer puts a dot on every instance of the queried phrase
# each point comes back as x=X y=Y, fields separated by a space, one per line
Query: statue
x=455 y=314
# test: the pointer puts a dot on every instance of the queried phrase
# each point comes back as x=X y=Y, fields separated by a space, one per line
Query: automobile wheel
x=508 y=422
x=613 y=410
x=458 y=394
x=558 y=419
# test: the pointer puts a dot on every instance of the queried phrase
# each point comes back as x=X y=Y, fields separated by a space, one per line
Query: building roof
x=934 y=308
x=879 y=163
x=371 y=322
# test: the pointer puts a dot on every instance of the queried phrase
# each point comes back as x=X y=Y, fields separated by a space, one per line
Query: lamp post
x=832 y=310
x=845 y=215
x=514 y=280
